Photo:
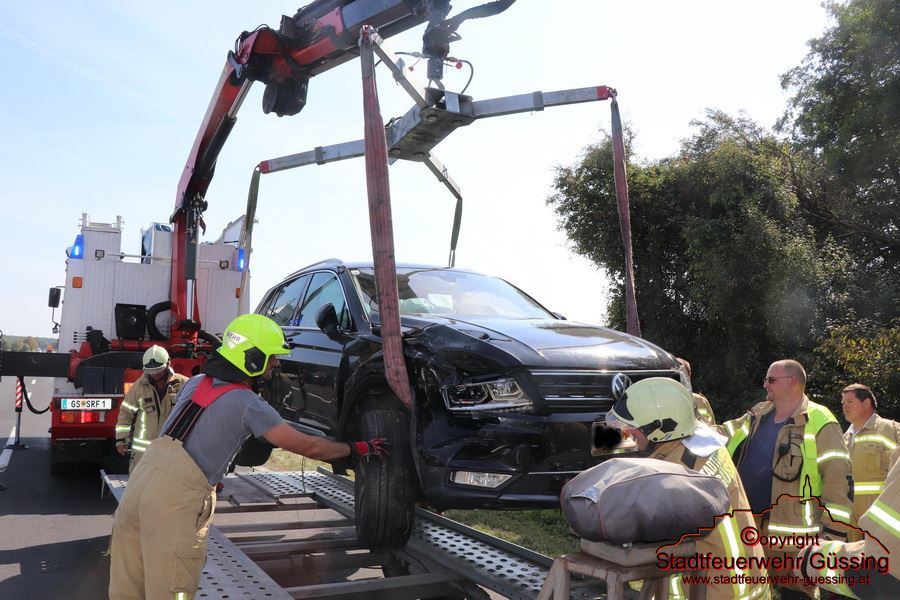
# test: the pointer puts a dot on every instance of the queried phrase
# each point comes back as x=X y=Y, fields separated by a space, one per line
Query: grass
x=543 y=531
x=282 y=460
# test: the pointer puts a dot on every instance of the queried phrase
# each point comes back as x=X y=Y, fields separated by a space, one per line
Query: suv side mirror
x=53 y=300
x=327 y=320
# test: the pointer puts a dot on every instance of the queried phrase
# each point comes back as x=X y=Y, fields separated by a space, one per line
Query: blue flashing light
x=240 y=261
x=77 y=249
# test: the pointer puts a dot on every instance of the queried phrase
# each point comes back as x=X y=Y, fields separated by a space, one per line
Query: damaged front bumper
x=534 y=455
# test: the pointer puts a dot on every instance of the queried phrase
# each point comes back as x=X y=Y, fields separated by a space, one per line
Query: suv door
x=281 y=306
x=319 y=358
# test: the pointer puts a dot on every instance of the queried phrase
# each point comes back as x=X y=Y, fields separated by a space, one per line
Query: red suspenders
x=205 y=394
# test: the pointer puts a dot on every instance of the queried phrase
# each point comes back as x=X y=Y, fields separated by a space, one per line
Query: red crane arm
x=318 y=37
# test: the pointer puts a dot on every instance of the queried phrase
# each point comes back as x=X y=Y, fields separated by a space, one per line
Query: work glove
x=374 y=447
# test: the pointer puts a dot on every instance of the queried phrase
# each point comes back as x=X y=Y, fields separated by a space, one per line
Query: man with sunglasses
x=871 y=440
x=790 y=446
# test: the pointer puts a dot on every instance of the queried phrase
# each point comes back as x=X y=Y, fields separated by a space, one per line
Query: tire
x=385 y=488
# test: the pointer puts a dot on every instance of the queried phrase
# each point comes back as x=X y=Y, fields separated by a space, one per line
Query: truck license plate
x=86 y=404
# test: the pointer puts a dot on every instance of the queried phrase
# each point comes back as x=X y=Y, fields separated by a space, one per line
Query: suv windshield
x=451 y=293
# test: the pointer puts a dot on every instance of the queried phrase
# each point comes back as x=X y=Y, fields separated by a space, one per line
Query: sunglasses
x=772 y=380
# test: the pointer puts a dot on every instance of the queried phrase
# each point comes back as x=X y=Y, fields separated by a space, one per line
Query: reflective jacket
x=725 y=540
x=815 y=463
x=878 y=552
x=143 y=412
x=870 y=452
x=704 y=409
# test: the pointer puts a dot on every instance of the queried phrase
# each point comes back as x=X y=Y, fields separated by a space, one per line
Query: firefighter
x=843 y=565
x=871 y=440
x=790 y=446
x=160 y=528
x=658 y=413
x=147 y=404
x=704 y=409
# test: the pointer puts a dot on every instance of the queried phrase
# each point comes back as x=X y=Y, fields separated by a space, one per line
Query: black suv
x=505 y=390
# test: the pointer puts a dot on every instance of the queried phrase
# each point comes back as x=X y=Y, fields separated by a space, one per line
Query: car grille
x=584 y=391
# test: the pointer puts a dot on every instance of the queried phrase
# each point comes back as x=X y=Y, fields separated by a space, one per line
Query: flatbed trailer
x=283 y=535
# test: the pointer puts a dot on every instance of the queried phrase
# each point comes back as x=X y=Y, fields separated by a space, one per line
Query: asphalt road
x=53 y=530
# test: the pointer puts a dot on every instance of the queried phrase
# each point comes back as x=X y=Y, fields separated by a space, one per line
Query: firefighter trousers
x=159 y=534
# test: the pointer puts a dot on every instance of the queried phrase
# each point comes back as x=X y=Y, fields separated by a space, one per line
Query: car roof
x=336 y=262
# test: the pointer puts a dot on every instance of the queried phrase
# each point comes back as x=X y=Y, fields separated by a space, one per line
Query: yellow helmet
x=156 y=359
x=661 y=408
x=250 y=340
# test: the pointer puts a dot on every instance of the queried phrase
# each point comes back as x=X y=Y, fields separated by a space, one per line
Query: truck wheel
x=385 y=488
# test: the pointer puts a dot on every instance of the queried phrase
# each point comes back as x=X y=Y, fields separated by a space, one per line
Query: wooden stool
x=617 y=565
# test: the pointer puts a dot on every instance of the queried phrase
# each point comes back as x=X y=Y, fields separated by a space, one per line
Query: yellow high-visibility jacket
x=875 y=557
x=870 y=453
x=143 y=413
x=815 y=452
x=725 y=540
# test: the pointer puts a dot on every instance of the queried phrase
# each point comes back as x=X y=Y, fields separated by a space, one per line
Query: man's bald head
x=793 y=369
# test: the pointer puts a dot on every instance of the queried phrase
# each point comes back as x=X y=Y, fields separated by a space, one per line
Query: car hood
x=553 y=343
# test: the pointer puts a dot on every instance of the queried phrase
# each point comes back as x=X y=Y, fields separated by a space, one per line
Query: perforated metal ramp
x=505 y=568
x=228 y=573
x=437 y=545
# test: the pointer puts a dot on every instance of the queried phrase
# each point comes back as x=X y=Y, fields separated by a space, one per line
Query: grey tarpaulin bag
x=632 y=500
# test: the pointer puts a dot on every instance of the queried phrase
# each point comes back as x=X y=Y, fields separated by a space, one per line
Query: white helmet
x=661 y=408
x=156 y=360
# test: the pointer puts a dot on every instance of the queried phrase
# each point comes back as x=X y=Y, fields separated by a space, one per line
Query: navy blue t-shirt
x=756 y=467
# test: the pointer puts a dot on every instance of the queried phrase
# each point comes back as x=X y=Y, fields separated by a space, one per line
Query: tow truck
x=317 y=38
x=114 y=308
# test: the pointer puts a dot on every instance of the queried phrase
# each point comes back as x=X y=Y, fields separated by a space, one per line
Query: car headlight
x=499 y=394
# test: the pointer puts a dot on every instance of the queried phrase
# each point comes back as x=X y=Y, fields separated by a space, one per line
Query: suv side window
x=324 y=288
x=263 y=308
x=285 y=302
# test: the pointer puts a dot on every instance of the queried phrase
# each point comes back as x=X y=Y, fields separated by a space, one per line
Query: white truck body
x=109 y=277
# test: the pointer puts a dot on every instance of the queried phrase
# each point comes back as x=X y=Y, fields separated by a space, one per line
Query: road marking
x=7 y=453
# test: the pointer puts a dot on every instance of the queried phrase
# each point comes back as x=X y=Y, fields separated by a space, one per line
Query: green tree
x=867 y=353
x=751 y=247
x=844 y=118
x=845 y=110
x=727 y=270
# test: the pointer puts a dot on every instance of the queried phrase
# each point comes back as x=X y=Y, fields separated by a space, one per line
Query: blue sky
x=101 y=102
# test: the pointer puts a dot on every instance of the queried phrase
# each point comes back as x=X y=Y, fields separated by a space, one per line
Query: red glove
x=373 y=447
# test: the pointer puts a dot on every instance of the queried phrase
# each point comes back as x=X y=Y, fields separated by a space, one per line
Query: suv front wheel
x=385 y=488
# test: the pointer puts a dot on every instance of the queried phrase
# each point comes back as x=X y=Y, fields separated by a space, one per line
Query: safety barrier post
x=20 y=394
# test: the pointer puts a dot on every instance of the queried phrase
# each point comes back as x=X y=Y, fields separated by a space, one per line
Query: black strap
x=688 y=459
x=184 y=422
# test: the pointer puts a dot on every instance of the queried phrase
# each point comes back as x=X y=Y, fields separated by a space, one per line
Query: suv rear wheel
x=385 y=488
